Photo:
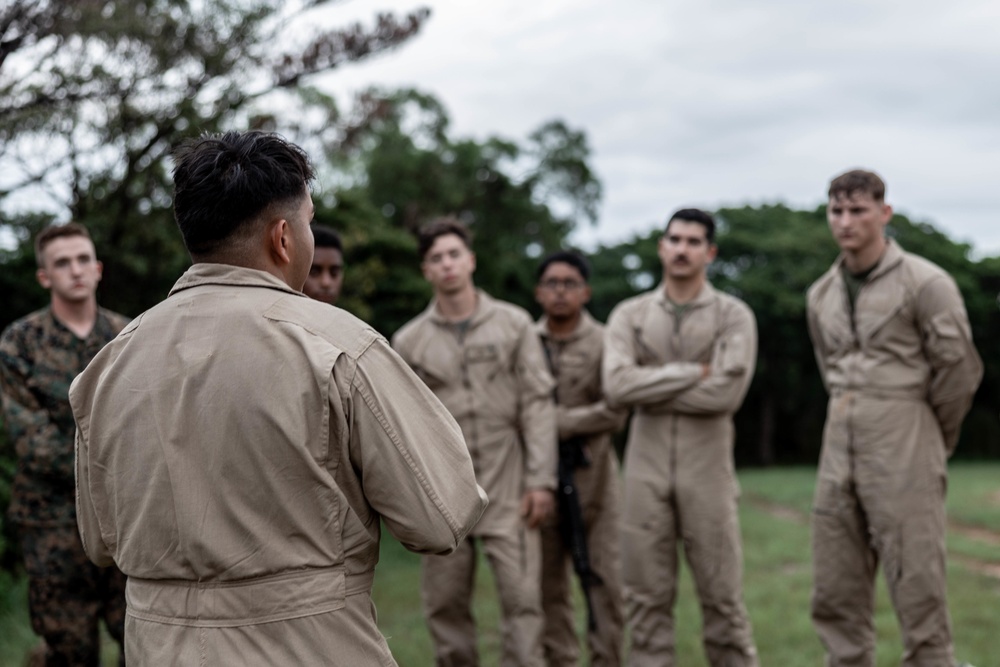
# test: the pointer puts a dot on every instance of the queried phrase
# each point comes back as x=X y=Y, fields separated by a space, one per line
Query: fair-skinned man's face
x=70 y=269
x=302 y=251
x=857 y=221
x=562 y=291
x=326 y=275
x=685 y=251
x=449 y=264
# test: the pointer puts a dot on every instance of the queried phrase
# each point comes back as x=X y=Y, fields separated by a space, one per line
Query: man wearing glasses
x=682 y=356
x=573 y=346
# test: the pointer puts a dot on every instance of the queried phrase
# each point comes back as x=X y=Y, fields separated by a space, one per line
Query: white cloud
x=725 y=102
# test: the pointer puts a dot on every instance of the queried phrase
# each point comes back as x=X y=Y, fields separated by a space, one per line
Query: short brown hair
x=52 y=232
x=858 y=181
x=442 y=226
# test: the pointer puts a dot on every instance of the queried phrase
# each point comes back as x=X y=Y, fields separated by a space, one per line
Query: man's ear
x=713 y=250
x=43 y=278
x=278 y=240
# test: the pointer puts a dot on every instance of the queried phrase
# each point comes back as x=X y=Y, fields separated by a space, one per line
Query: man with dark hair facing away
x=40 y=354
x=682 y=356
x=484 y=361
x=239 y=445
x=895 y=350
x=574 y=342
x=326 y=275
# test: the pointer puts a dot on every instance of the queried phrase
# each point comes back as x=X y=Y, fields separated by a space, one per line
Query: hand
x=536 y=505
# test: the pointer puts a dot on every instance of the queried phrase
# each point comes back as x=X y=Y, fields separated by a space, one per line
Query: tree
x=519 y=198
x=94 y=95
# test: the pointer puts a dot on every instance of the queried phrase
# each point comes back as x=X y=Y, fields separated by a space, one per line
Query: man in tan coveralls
x=682 y=356
x=238 y=444
x=484 y=361
x=574 y=342
x=895 y=350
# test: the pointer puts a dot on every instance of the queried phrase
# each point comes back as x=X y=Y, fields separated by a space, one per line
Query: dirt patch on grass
x=968 y=531
x=977 y=533
x=986 y=568
x=777 y=510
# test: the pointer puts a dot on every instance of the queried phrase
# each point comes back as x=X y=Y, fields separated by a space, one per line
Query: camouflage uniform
x=39 y=357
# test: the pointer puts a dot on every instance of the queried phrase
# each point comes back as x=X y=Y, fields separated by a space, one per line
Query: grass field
x=774 y=514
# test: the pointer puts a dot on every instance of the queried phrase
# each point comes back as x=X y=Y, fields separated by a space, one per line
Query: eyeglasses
x=554 y=284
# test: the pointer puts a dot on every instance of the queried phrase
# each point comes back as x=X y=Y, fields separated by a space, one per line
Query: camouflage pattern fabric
x=68 y=595
x=39 y=357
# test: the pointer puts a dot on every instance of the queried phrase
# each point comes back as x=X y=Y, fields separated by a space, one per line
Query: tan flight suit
x=237 y=446
x=680 y=483
x=493 y=379
x=582 y=411
x=901 y=375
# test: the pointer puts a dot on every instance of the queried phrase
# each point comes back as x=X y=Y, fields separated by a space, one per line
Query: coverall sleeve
x=734 y=358
x=410 y=454
x=588 y=419
x=537 y=411
x=817 y=343
x=32 y=432
x=956 y=368
x=86 y=512
x=625 y=381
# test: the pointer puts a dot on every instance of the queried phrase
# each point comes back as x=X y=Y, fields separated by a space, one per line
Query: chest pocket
x=486 y=360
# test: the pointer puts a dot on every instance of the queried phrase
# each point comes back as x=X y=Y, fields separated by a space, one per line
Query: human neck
x=683 y=290
x=459 y=305
x=864 y=259
x=78 y=316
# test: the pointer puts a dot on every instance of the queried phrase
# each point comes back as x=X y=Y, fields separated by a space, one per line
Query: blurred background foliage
x=93 y=95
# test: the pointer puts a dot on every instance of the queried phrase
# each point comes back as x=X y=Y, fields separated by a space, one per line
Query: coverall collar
x=705 y=296
x=207 y=273
x=485 y=306
x=890 y=259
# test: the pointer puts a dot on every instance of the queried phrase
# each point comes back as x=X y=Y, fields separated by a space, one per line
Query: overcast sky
x=725 y=102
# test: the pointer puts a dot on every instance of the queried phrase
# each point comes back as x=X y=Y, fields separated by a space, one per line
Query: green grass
x=777 y=584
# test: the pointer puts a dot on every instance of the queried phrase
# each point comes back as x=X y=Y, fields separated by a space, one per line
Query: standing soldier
x=326 y=275
x=40 y=354
x=484 y=361
x=239 y=445
x=682 y=356
x=573 y=343
x=895 y=350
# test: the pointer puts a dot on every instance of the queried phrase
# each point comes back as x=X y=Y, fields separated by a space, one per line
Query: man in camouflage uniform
x=40 y=354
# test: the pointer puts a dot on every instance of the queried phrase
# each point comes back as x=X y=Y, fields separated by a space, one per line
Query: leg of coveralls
x=516 y=559
x=901 y=480
x=112 y=588
x=63 y=597
x=446 y=592
x=605 y=559
x=649 y=568
x=844 y=564
x=559 y=641
x=707 y=496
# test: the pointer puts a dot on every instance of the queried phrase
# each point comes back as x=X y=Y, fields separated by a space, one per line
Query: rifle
x=571 y=525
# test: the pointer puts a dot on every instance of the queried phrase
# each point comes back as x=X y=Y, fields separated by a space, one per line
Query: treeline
x=522 y=199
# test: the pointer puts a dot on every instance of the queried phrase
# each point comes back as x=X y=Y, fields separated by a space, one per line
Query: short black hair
x=574 y=259
x=223 y=182
x=326 y=237
x=442 y=226
x=697 y=215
